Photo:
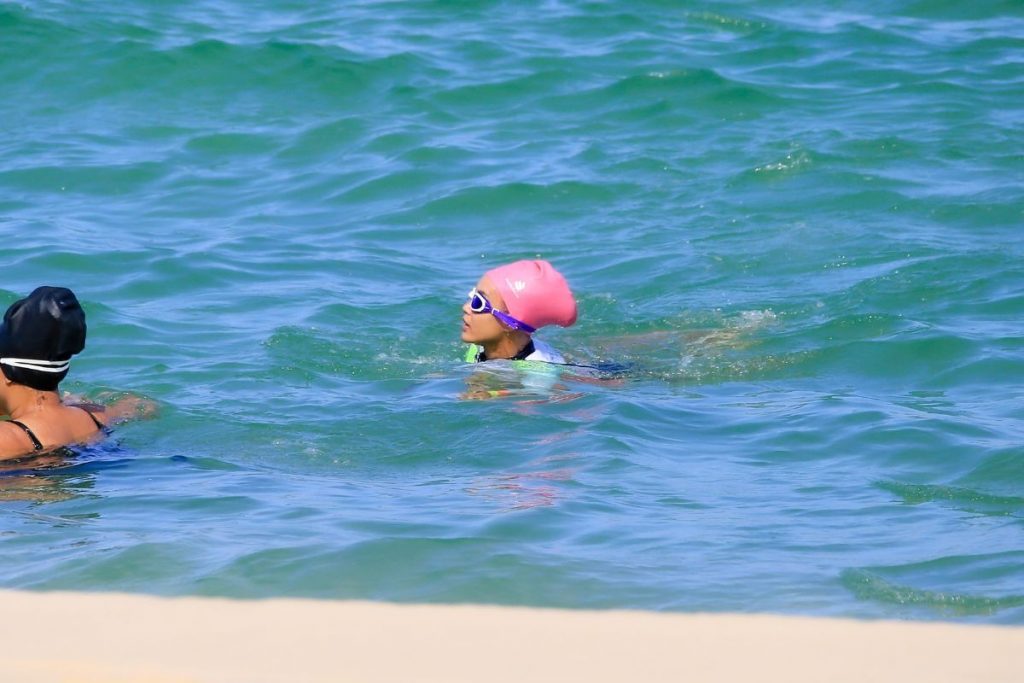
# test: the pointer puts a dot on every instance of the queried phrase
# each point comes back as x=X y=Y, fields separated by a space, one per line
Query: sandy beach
x=114 y=638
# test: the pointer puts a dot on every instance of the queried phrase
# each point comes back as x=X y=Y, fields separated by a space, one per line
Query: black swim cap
x=48 y=325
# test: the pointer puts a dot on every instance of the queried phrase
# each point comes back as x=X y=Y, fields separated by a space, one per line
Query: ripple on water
x=959 y=497
x=934 y=586
x=797 y=228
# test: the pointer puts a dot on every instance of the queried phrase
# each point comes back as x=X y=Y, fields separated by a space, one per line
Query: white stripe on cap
x=40 y=365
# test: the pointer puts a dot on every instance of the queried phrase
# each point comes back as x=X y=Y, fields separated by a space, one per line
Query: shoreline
x=115 y=638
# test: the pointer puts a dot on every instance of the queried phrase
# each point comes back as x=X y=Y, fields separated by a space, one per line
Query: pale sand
x=113 y=638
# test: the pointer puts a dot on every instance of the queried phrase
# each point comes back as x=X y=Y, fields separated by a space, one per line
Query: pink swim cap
x=535 y=293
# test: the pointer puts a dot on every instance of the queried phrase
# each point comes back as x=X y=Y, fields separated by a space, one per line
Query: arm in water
x=112 y=411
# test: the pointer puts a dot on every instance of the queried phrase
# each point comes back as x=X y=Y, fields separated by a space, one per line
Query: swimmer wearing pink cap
x=508 y=305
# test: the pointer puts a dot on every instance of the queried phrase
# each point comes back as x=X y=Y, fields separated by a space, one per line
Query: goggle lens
x=477 y=302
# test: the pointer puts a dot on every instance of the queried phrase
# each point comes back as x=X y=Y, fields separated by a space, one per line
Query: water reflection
x=542 y=486
x=27 y=479
x=59 y=475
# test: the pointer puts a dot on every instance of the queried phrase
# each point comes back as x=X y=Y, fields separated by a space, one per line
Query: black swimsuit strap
x=36 y=443
x=99 y=425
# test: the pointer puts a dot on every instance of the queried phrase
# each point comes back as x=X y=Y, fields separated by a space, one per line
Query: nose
x=465 y=308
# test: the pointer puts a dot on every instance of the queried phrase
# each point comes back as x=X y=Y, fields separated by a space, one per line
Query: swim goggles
x=478 y=303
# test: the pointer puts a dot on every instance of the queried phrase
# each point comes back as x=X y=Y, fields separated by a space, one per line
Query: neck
x=21 y=400
x=507 y=345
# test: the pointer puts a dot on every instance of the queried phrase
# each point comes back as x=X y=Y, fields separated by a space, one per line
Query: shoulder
x=545 y=352
x=14 y=443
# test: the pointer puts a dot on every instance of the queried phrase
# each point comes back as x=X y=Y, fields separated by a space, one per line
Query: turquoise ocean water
x=800 y=225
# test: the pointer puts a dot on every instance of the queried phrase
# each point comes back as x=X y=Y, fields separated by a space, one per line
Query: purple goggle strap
x=512 y=322
x=505 y=318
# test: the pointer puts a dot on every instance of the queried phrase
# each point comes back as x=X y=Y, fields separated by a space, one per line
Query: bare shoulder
x=13 y=442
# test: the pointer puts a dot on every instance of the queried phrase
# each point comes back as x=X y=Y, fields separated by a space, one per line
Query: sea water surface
x=799 y=225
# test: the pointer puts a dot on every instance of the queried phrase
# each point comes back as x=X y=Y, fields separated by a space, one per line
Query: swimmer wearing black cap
x=38 y=337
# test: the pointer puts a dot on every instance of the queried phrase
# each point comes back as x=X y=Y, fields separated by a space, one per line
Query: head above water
x=38 y=336
x=510 y=302
x=535 y=293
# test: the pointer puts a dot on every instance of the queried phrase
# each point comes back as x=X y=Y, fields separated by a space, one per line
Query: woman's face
x=480 y=328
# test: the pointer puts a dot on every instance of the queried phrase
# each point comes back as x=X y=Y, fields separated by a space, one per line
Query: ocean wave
x=881 y=585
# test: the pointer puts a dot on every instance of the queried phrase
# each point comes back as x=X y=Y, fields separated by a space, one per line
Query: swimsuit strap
x=36 y=443
x=99 y=425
